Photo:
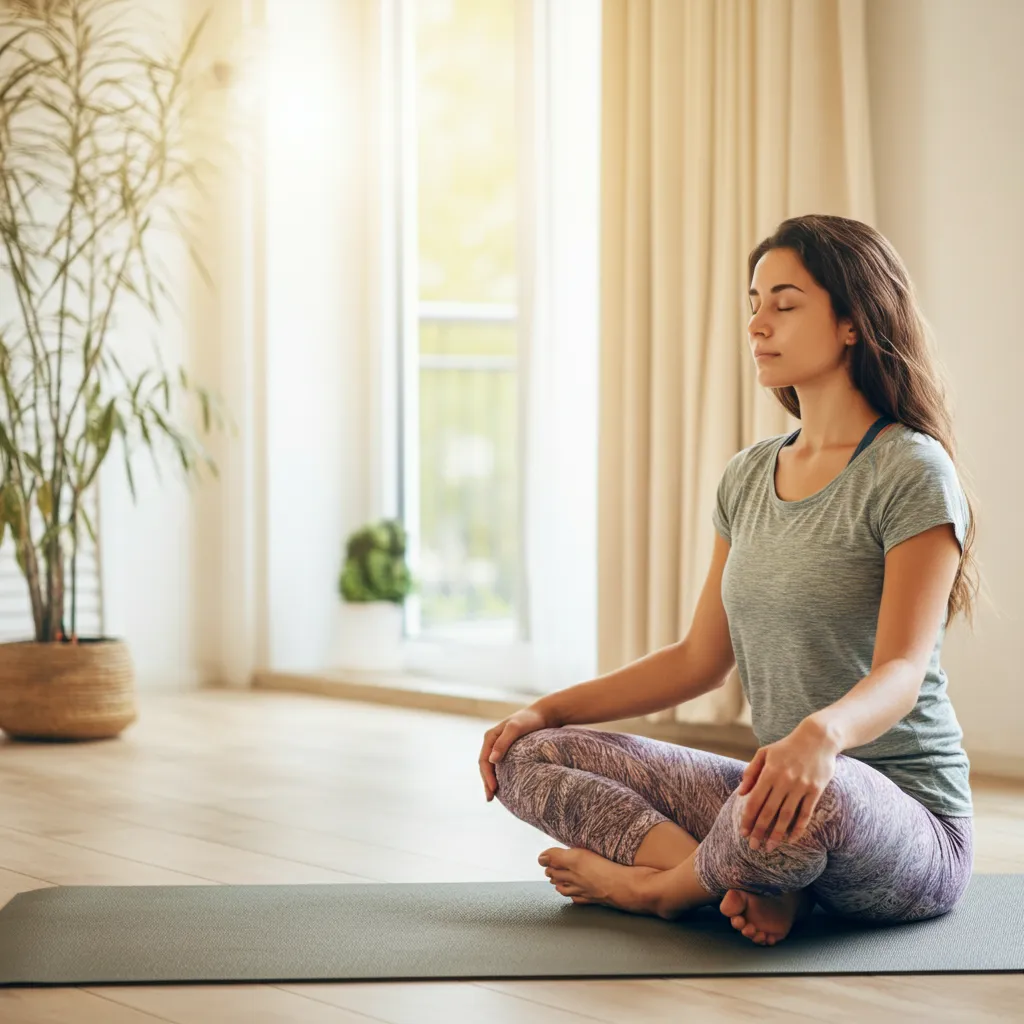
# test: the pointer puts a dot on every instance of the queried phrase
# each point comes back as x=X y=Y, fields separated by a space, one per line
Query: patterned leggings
x=870 y=852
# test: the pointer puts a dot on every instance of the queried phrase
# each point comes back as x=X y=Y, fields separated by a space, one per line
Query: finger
x=501 y=744
x=487 y=773
x=803 y=819
x=489 y=777
x=769 y=810
x=485 y=751
x=751 y=772
x=755 y=803
x=787 y=813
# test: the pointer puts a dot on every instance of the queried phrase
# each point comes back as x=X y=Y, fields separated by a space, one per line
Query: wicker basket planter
x=65 y=691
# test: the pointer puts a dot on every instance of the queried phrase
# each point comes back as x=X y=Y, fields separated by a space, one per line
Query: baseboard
x=419 y=692
x=996 y=766
x=177 y=682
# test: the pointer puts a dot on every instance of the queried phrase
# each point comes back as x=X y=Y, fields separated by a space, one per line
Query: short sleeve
x=721 y=516
x=921 y=490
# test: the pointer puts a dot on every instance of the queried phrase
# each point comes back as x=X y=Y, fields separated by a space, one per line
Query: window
x=488 y=363
x=459 y=464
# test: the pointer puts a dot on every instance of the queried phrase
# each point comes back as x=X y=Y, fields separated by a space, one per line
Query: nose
x=755 y=329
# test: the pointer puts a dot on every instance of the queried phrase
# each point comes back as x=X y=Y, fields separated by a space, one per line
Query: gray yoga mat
x=98 y=935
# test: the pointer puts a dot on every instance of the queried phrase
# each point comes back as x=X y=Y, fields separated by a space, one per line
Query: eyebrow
x=777 y=288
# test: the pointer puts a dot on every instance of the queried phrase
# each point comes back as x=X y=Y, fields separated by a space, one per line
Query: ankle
x=675 y=891
x=665 y=846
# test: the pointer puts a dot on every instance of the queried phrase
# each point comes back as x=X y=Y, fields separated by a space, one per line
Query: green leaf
x=129 y=474
x=88 y=523
x=44 y=499
x=12 y=509
x=33 y=463
x=5 y=443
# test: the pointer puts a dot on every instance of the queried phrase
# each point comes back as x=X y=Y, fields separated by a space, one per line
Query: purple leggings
x=870 y=852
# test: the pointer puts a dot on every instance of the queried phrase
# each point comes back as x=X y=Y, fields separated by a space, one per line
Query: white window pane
x=469 y=500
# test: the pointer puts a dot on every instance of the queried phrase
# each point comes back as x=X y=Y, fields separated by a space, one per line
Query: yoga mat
x=100 y=935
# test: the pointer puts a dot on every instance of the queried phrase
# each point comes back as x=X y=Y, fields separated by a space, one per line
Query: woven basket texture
x=66 y=691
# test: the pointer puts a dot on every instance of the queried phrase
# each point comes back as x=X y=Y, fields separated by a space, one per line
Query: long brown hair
x=893 y=362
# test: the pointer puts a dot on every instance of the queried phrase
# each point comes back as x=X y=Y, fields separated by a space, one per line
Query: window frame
x=463 y=656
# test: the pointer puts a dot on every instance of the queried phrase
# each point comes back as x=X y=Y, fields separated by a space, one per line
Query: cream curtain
x=720 y=118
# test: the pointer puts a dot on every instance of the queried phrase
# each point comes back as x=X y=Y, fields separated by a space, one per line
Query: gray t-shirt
x=802 y=589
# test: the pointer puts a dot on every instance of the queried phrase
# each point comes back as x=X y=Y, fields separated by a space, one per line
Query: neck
x=834 y=415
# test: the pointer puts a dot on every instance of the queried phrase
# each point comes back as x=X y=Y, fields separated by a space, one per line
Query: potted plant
x=374 y=582
x=93 y=163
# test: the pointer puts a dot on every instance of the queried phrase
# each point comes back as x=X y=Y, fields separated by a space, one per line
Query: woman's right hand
x=499 y=738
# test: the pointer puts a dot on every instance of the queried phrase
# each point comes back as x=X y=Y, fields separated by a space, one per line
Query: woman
x=842 y=554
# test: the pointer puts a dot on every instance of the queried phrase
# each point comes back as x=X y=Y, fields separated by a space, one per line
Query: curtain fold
x=719 y=119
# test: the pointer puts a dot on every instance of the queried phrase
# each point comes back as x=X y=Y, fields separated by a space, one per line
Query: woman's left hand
x=786 y=779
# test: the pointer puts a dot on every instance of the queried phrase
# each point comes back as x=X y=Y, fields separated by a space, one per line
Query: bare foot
x=766 y=919
x=587 y=877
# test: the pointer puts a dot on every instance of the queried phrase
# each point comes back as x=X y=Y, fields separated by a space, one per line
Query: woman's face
x=796 y=321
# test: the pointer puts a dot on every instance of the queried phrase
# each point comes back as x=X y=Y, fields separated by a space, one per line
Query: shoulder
x=754 y=453
x=912 y=453
x=917 y=486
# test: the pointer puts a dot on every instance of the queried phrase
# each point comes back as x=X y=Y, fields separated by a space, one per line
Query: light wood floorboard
x=224 y=787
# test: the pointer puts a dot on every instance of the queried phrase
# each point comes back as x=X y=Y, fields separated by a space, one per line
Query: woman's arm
x=871 y=708
x=919 y=576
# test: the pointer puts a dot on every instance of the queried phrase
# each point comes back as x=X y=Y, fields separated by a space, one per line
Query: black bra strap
x=873 y=431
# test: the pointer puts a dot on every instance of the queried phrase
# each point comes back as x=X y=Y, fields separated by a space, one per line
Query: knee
x=824 y=815
x=526 y=749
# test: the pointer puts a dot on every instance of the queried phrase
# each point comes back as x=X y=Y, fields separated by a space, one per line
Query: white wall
x=318 y=424
x=242 y=574
x=947 y=91
x=147 y=568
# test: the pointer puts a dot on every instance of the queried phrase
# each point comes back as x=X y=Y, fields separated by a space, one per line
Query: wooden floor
x=219 y=787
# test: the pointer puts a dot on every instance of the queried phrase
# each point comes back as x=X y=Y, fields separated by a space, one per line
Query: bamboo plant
x=94 y=164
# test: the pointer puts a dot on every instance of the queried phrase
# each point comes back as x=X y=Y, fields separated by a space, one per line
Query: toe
x=732 y=903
